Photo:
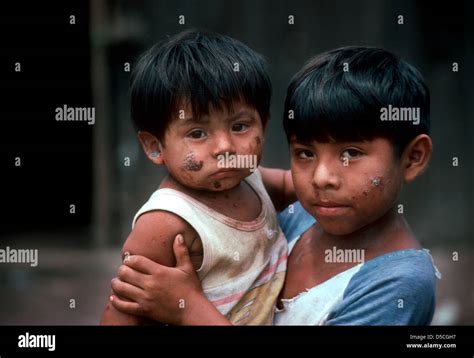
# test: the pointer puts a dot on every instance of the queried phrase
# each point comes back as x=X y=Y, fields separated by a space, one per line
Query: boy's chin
x=336 y=228
x=216 y=185
x=224 y=184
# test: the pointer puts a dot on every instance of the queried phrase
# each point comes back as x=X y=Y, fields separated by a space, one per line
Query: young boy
x=357 y=120
x=200 y=102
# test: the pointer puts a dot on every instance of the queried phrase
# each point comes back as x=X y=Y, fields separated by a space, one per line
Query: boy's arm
x=279 y=185
x=151 y=237
x=113 y=317
x=168 y=286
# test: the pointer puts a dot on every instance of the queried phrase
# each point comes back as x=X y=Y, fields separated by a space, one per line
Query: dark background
x=66 y=163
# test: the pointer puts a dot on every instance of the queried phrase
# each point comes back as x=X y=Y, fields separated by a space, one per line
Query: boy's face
x=194 y=151
x=346 y=186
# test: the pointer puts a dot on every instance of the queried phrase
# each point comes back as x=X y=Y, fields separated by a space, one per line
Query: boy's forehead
x=330 y=141
x=295 y=140
x=229 y=111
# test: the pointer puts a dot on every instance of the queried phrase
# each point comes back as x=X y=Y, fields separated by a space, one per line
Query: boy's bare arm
x=169 y=286
x=279 y=185
x=151 y=237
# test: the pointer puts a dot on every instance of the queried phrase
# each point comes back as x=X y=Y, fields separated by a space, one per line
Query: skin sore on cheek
x=217 y=184
x=191 y=164
x=375 y=182
x=258 y=140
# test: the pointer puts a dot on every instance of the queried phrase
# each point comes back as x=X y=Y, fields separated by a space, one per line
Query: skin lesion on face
x=367 y=188
x=223 y=131
x=376 y=181
x=377 y=191
x=191 y=164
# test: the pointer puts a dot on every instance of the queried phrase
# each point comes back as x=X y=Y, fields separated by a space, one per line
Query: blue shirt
x=397 y=288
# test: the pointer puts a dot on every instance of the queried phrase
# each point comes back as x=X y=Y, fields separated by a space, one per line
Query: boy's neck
x=240 y=203
x=389 y=233
x=172 y=183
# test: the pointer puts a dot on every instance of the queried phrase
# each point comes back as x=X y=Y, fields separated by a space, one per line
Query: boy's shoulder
x=395 y=288
x=410 y=266
x=163 y=206
x=153 y=235
x=294 y=221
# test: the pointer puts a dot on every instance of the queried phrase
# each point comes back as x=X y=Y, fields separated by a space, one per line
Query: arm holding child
x=155 y=299
x=151 y=237
x=279 y=185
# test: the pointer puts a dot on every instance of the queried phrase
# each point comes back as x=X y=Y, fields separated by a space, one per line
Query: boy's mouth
x=328 y=208
x=225 y=173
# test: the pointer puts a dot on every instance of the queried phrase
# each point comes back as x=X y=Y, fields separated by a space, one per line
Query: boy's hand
x=279 y=185
x=165 y=294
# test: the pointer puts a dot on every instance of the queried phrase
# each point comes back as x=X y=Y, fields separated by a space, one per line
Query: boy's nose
x=324 y=177
x=223 y=143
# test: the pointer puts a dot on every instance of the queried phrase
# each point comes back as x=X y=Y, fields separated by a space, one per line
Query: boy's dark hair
x=199 y=67
x=329 y=103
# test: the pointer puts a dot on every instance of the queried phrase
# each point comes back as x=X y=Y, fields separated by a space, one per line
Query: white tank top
x=244 y=262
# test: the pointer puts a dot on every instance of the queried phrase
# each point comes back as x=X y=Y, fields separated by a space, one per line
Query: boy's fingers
x=133 y=277
x=131 y=308
x=125 y=290
x=183 y=261
x=141 y=263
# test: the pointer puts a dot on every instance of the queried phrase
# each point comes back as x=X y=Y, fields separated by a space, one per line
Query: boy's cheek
x=375 y=198
x=191 y=162
x=371 y=188
x=303 y=187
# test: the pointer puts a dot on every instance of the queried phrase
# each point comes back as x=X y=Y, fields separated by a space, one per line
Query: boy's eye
x=350 y=153
x=304 y=154
x=196 y=134
x=239 y=127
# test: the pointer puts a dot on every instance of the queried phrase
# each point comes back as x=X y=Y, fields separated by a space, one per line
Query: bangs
x=332 y=111
x=208 y=78
x=325 y=103
x=200 y=68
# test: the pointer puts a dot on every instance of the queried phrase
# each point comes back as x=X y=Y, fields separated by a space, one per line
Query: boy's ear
x=152 y=147
x=416 y=156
